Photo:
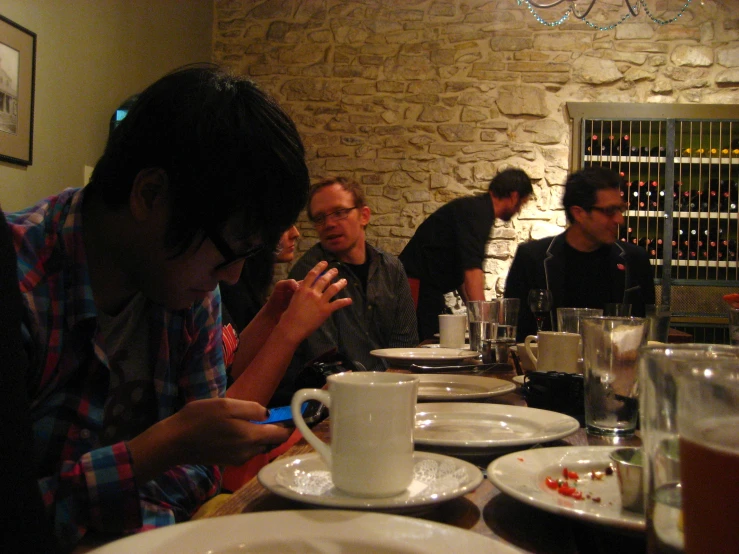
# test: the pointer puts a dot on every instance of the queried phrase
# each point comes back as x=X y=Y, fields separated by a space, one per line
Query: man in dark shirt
x=381 y=311
x=448 y=249
x=586 y=266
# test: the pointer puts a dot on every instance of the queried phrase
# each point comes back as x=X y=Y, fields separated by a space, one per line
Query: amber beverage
x=709 y=472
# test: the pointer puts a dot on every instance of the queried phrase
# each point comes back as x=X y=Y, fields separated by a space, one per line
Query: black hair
x=226 y=147
x=581 y=187
x=509 y=181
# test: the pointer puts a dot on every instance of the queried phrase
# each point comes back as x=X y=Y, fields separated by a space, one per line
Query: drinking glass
x=734 y=325
x=685 y=391
x=614 y=309
x=540 y=304
x=610 y=348
x=482 y=317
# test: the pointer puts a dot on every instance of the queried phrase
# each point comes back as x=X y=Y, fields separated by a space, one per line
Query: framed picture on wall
x=17 y=77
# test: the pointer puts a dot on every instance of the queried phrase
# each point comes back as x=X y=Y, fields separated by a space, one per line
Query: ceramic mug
x=372 y=416
x=452 y=329
x=557 y=351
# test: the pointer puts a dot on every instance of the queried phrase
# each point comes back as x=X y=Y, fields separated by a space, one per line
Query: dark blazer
x=540 y=264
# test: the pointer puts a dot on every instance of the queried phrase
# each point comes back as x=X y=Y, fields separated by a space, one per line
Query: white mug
x=452 y=328
x=372 y=416
x=527 y=362
x=557 y=351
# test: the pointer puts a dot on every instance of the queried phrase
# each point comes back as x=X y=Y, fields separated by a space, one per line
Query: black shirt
x=588 y=277
x=450 y=241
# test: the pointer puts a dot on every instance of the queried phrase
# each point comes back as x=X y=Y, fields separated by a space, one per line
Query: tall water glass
x=669 y=377
x=568 y=319
x=610 y=348
x=508 y=319
x=482 y=317
x=734 y=325
x=659 y=322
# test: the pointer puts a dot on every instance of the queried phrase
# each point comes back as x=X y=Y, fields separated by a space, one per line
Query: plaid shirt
x=85 y=484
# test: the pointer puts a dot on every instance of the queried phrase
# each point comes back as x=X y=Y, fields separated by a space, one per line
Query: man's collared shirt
x=85 y=483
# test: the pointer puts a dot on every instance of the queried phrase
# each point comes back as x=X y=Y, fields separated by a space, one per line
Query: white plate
x=441 y=386
x=298 y=531
x=424 y=356
x=437 y=345
x=522 y=474
x=519 y=379
x=306 y=479
x=472 y=425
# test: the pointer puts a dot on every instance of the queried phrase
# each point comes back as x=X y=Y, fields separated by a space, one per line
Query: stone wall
x=422 y=101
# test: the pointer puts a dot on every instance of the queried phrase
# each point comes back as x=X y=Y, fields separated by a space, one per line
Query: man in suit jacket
x=586 y=266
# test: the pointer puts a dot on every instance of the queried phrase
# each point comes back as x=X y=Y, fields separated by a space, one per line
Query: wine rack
x=680 y=166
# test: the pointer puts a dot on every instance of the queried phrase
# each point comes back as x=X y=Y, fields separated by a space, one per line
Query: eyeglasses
x=610 y=211
x=338 y=215
x=229 y=256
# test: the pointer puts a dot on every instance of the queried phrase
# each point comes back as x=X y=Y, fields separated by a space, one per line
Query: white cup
x=527 y=362
x=372 y=415
x=557 y=351
x=452 y=328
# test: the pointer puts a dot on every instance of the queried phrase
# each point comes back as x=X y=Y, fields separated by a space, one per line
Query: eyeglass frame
x=229 y=256
x=610 y=211
x=336 y=215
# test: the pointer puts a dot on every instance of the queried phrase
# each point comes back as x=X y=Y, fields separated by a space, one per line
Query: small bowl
x=629 y=471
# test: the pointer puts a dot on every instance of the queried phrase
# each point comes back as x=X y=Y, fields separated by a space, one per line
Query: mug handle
x=527 y=343
x=298 y=398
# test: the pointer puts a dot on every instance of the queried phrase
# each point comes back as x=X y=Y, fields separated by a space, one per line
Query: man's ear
x=364 y=215
x=149 y=191
x=577 y=213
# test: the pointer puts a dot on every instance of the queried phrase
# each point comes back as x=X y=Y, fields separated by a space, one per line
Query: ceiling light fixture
x=633 y=7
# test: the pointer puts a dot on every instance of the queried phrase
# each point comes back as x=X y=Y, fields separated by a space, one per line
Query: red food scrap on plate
x=567 y=484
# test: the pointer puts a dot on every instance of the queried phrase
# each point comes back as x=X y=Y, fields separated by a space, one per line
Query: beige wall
x=91 y=55
x=425 y=100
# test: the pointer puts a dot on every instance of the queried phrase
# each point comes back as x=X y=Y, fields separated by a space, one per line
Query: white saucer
x=472 y=426
x=402 y=357
x=306 y=478
x=441 y=386
x=316 y=531
x=522 y=474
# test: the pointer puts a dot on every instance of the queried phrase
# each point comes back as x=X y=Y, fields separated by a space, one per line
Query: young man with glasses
x=381 y=314
x=586 y=266
x=448 y=249
x=119 y=281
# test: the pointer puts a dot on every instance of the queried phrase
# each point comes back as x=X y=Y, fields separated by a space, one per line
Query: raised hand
x=313 y=302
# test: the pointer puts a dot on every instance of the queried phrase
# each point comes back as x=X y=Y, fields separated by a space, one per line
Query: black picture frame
x=17 y=84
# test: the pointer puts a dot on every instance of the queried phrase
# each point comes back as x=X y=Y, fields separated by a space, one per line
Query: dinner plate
x=473 y=426
x=316 y=531
x=306 y=478
x=519 y=379
x=522 y=475
x=442 y=386
x=424 y=356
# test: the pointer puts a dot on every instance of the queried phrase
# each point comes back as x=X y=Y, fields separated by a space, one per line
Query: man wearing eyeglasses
x=586 y=266
x=381 y=314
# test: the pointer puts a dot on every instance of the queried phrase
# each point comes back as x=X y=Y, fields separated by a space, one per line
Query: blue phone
x=313 y=413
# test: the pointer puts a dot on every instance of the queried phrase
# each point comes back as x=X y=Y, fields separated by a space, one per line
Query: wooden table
x=486 y=510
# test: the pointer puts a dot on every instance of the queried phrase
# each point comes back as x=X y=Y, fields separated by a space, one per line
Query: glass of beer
x=708 y=424
x=670 y=378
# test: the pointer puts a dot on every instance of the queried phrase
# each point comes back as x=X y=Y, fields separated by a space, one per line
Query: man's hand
x=312 y=303
x=213 y=431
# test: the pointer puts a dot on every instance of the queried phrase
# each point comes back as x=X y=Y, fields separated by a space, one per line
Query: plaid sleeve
x=98 y=491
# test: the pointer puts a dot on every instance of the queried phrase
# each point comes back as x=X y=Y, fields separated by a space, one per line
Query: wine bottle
x=592 y=146
x=624 y=147
x=609 y=146
x=657 y=151
x=653 y=196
